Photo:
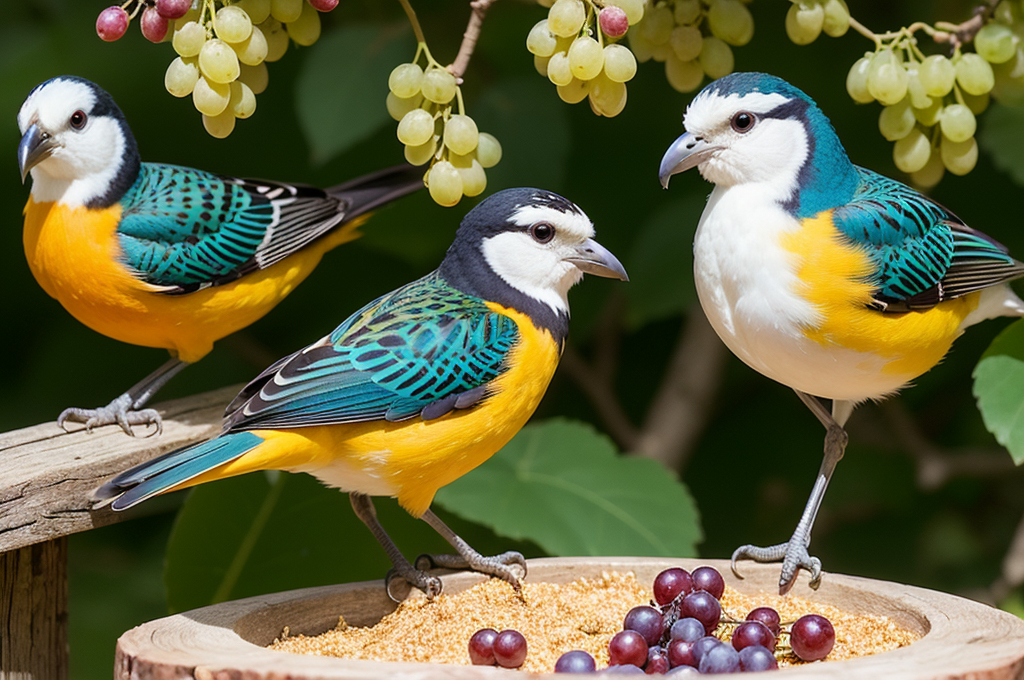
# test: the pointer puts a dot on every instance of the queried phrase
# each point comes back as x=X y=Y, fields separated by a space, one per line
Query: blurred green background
x=924 y=496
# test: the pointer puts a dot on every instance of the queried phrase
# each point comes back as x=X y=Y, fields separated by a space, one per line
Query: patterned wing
x=923 y=253
x=185 y=229
x=422 y=350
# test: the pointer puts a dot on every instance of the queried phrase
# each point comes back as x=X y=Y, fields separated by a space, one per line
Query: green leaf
x=999 y=389
x=1002 y=137
x=662 y=259
x=563 y=486
x=341 y=88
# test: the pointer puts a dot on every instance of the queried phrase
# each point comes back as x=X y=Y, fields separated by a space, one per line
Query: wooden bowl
x=960 y=638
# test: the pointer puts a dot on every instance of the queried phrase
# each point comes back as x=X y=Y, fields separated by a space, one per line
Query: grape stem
x=469 y=38
x=943 y=31
x=416 y=28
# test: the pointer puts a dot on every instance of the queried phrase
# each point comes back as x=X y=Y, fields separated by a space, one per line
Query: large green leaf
x=661 y=261
x=564 y=486
x=999 y=389
x=1002 y=136
x=341 y=88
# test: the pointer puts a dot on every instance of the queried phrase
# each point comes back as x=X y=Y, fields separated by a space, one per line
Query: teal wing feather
x=422 y=350
x=923 y=253
x=185 y=229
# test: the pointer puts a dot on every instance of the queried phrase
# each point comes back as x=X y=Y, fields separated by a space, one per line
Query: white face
x=84 y=161
x=771 y=150
x=538 y=269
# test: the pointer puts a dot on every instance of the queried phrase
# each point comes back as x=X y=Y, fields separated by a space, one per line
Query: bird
x=161 y=255
x=836 y=281
x=418 y=387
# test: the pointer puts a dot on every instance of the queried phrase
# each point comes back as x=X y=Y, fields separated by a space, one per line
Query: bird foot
x=117 y=412
x=404 y=577
x=508 y=566
x=793 y=555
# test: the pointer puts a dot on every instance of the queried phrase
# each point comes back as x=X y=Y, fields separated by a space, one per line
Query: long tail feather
x=365 y=193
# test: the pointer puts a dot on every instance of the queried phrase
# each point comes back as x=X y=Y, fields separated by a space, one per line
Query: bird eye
x=542 y=232
x=743 y=121
x=77 y=120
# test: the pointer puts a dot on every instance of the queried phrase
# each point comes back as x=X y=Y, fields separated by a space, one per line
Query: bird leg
x=509 y=566
x=793 y=554
x=401 y=568
x=127 y=409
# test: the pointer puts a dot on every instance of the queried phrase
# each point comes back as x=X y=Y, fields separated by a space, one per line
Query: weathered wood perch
x=960 y=638
x=46 y=478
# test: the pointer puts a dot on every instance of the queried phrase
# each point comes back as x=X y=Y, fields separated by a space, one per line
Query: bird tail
x=174 y=470
x=363 y=194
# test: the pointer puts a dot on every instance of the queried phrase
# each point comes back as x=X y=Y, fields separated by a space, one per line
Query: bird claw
x=430 y=585
x=508 y=566
x=117 y=412
x=793 y=555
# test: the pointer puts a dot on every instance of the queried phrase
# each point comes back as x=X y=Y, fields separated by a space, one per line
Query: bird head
x=75 y=143
x=757 y=128
x=525 y=248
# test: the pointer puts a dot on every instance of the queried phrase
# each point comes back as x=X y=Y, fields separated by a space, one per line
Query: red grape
x=768 y=617
x=628 y=647
x=613 y=22
x=701 y=646
x=154 y=26
x=720 y=659
x=671 y=582
x=481 y=647
x=708 y=579
x=111 y=23
x=704 y=607
x=657 y=661
x=173 y=9
x=757 y=658
x=324 y=5
x=683 y=670
x=510 y=649
x=622 y=669
x=751 y=633
x=812 y=637
x=645 y=620
x=680 y=653
x=689 y=629
x=576 y=661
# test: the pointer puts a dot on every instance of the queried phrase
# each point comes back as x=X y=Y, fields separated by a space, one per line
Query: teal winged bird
x=162 y=255
x=418 y=387
x=824 y=276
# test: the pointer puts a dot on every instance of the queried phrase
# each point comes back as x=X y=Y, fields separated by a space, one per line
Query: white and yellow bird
x=824 y=276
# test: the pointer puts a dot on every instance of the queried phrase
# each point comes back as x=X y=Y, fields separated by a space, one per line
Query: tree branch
x=469 y=38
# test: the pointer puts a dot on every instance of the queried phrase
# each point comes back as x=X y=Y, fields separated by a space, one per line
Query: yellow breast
x=75 y=256
x=415 y=458
x=834 y=278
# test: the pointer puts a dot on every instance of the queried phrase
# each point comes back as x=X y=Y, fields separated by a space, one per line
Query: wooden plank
x=34 y=611
x=960 y=638
x=48 y=474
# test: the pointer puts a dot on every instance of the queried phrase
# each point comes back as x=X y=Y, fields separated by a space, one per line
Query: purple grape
x=154 y=26
x=704 y=607
x=510 y=649
x=646 y=621
x=623 y=669
x=111 y=23
x=689 y=629
x=657 y=661
x=720 y=659
x=628 y=647
x=323 y=5
x=173 y=9
x=683 y=670
x=709 y=580
x=576 y=661
x=751 y=633
x=812 y=637
x=701 y=647
x=680 y=653
x=757 y=658
x=768 y=617
x=481 y=647
x=669 y=584
x=613 y=22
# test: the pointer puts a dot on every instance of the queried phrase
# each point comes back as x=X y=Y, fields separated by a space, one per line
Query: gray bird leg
x=401 y=568
x=508 y=566
x=127 y=409
x=793 y=554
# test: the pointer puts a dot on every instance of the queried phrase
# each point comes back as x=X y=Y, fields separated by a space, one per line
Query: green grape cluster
x=807 y=19
x=577 y=47
x=930 y=105
x=223 y=48
x=1000 y=43
x=693 y=38
x=424 y=101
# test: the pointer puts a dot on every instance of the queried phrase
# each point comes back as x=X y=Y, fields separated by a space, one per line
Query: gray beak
x=593 y=258
x=685 y=153
x=35 y=147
